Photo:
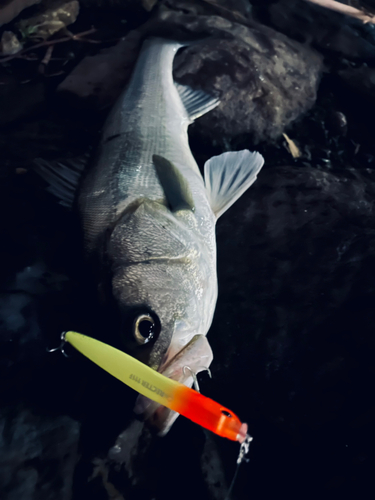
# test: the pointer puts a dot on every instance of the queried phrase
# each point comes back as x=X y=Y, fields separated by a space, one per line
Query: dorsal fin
x=174 y=184
x=228 y=176
x=196 y=102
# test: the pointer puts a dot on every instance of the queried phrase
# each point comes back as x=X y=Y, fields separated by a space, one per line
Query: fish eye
x=144 y=328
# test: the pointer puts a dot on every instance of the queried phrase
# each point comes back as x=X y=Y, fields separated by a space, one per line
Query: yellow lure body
x=152 y=384
x=125 y=368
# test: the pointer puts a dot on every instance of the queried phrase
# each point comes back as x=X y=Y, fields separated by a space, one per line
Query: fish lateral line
x=160 y=260
x=182 y=399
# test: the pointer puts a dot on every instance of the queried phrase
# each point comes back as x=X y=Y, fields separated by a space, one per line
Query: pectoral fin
x=228 y=176
x=197 y=102
x=174 y=184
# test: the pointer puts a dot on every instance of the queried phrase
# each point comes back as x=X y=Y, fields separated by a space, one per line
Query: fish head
x=148 y=305
x=161 y=284
x=164 y=287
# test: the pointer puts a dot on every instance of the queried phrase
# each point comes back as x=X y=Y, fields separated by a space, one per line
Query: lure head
x=205 y=412
x=215 y=417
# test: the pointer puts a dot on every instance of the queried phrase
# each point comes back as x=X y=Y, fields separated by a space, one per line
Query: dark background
x=292 y=336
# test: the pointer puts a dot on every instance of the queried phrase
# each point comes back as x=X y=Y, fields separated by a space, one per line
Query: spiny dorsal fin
x=196 y=102
x=228 y=176
x=174 y=184
x=62 y=176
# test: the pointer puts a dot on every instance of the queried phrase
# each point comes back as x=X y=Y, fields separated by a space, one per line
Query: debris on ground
x=54 y=18
x=292 y=147
x=10 y=44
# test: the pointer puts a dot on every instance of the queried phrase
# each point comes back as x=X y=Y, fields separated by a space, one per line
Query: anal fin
x=228 y=176
x=62 y=176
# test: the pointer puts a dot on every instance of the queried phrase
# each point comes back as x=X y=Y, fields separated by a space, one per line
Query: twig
x=77 y=38
x=29 y=58
x=46 y=59
x=87 y=40
x=345 y=9
x=52 y=75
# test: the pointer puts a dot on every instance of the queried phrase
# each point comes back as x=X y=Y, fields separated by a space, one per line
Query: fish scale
x=165 y=259
x=149 y=218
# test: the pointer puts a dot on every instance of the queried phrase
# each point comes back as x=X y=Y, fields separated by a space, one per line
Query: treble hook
x=244 y=449
x=194 y=375
x=61 y=346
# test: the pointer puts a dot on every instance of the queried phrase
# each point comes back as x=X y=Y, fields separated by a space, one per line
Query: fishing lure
x=143 y=379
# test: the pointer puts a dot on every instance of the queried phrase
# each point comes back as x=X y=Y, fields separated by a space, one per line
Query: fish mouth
x=194 y=358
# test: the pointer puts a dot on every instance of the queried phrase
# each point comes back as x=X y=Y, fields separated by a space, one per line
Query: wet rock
x=125 y=5
x=292 y=333
x=149 y=4
x=330 y=31
x=337 y=123
x=301 y=219
x=153 y=463
x=98 y=80
x=293 y=349
x=34 y=287
x=224 y=7
x=264 y=80
x=233 y=10
x=38 y=455
x=360 y=80
x=213 y=470
x=19 y=99
x=11 y=8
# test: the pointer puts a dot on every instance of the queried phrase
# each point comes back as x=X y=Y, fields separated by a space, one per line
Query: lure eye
x=144 y=328
x=226 y=413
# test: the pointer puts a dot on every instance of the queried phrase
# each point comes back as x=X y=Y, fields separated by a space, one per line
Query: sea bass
x=149 y=220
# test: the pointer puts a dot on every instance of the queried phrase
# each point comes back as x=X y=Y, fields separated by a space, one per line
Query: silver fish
x=149 y=220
